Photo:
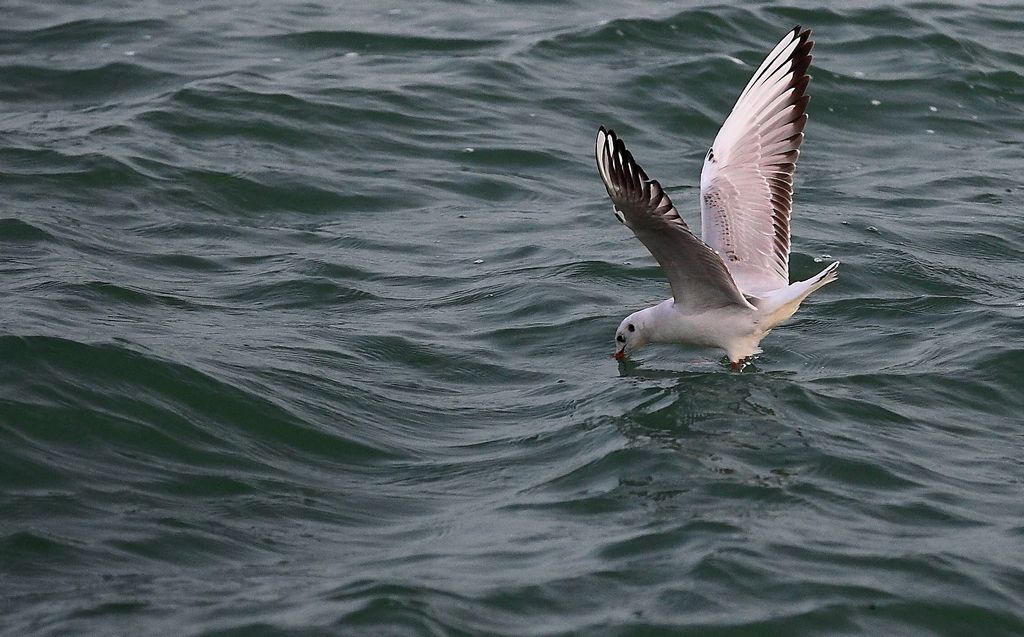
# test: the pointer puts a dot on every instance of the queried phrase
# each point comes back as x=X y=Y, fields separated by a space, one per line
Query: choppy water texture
x=307 y=314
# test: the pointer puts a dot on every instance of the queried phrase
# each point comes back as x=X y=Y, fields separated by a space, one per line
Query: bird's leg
x=740 y=364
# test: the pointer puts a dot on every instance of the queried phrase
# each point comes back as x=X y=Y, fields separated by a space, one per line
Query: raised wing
x=746 y=185
x=698 y=278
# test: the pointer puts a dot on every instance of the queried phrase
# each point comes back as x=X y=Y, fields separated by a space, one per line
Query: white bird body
x=666 y=322
x=731 y=286
x=736 y=330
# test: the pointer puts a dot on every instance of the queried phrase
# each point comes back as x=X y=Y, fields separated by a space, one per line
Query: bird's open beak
x=619 y=355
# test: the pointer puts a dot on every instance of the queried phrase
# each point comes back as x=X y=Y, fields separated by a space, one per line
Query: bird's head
x=630 y=336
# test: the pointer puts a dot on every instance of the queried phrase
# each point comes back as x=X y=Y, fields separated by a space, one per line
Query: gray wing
x=698 y=278
x=747 y=181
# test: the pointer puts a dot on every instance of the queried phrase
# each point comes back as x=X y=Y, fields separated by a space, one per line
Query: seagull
x=730 y=287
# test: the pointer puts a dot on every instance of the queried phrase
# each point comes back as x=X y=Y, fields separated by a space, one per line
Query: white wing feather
x=747 y=180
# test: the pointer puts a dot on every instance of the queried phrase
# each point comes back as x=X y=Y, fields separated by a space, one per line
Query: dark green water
x=306 y=315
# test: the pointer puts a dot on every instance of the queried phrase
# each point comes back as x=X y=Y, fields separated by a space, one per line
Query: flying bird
x=730 y=286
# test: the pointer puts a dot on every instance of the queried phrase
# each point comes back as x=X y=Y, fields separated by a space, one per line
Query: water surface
x=307 y=314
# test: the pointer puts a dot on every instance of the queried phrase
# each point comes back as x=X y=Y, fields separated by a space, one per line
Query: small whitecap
x=974 y=117
x=735 y=60
x=478 y=261
x=147 y=37
x=929 y=131
x=275 y=59
x=872 y=229
x=859 y=73
x=105 y=45
x=831 y=110
x=619 y=33
x=933 y=109
x=129 y=53
x=351 y=54
x=468 y=149
x=394 y=11
x=875 y=102
x=627 y=263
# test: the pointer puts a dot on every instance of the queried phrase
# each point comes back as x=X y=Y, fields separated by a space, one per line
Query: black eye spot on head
x=620 y=338
x=631 y=327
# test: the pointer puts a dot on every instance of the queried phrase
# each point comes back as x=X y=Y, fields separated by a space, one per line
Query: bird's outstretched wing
x=746 y=185
x=698 y=278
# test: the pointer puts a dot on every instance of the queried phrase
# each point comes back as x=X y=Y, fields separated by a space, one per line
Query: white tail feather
x=782 y=303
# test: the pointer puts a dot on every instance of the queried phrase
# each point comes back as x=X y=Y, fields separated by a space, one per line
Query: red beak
x=619 y=355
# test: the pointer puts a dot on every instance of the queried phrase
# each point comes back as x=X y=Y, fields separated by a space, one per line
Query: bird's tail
x=782 y=303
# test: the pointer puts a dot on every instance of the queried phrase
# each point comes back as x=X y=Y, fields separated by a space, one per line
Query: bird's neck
x=657 y=321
